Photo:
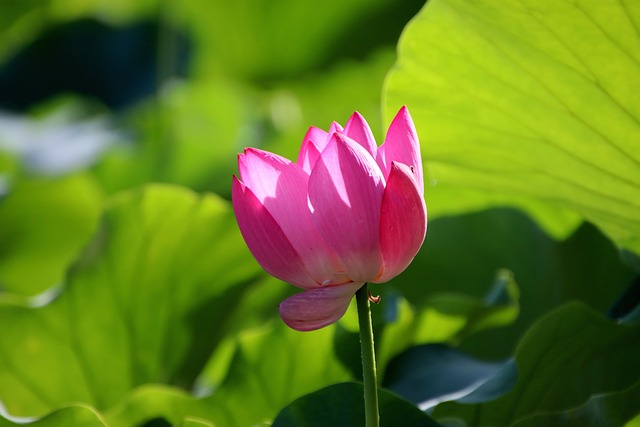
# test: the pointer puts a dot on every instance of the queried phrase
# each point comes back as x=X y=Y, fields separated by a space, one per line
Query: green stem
x=368 y=358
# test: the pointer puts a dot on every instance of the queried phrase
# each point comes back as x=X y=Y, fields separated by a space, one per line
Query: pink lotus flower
x=346 y=213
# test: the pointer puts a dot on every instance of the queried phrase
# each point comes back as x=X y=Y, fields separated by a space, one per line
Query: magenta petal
x=313 y=143
x=318 y=307
x=358 y=129
x=266 y=240
x=403 y=221
x=401 y=145
x=345 y=192
x=334 y=128
x=281 y=186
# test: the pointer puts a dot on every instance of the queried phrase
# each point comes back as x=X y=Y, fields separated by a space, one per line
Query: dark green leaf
x=608 y=410
x=461 y=254
x=342 y=405
x=566 y=358
x=429 y=374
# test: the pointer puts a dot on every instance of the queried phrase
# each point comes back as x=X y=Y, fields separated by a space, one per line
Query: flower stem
x=368 y=358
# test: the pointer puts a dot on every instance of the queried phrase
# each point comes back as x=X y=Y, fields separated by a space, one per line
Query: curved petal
x=266 y=240
x=310 y=151
x=403 y=221
x=318 y=307
x=358 y=129
x=402 y=145
x=281 y=186
x=334 y=128
x=345 y=193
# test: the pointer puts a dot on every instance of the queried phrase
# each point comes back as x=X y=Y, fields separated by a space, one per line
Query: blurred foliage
x=128 y=298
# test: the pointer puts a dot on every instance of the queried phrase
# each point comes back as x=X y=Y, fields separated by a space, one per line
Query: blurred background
x=98 y=97
x=165 y=91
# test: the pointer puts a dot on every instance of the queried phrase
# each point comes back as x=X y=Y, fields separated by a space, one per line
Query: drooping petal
x=281 y=186
x=345 y=193
x=266 y=240
x=403 y=221
x=358 y=129
x=318 y=307
x=401 y=145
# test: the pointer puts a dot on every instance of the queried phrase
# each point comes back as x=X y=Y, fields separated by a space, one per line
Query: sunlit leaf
x=147 y=302
x=71 y=416
x=529 y=99
x=270 y=370
x=150 y=402
x=271 y=367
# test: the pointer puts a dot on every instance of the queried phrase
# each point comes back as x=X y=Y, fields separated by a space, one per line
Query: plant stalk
x=367 y=350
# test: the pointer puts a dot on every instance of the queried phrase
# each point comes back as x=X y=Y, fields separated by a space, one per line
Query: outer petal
x=403 y=221
x=345 y=193
x=401 y=145
x=266 y=240
x=318 y=307
x=281 y=186
x=358 y=129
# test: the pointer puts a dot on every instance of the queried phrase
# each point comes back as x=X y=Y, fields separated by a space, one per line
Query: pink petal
x=403 y=221
x=401 y=145
x=281 y=186
x=318 y=307
x=334 y=128
x=313 y=143
x=266 y=240
x=345 y=192
x=358 y=129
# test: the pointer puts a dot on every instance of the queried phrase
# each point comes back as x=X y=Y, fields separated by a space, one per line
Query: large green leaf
x=147 y=302
x=530 y=99
x=566 y=358
x=43 y=226
x=271 y=367
x=342 y=405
